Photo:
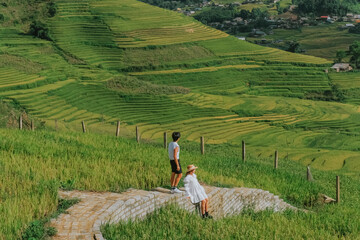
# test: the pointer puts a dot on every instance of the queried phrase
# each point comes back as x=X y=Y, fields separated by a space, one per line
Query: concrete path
x=84 y=219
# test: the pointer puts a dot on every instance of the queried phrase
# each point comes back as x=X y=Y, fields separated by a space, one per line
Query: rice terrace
x=94 y=95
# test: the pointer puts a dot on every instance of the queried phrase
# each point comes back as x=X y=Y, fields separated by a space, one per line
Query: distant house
x=342 y=67
x=242 y=38
x=238 y=19
x=357 y=16
x=258 y=33
x=325 y=18
x=350 y=15
x=349 y=25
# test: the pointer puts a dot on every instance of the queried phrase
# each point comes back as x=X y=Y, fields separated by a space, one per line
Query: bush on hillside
x=133 y=85
x=52 y=9
x=355 y=29
x=39 y=29
x=2 y=17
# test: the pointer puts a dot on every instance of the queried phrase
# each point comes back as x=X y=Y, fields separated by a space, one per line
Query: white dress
x=193 y=189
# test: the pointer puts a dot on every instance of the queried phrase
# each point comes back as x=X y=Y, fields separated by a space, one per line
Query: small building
x=349 y=25
x=357 y=16
x=325 y=18
x=342 y=67
x=238 y=19
x=242 y=38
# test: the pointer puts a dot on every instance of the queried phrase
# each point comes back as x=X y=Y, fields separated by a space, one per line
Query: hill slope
x=125 y=60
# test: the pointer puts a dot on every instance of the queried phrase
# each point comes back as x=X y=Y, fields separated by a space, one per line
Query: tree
x=294 y=47
x=354 y=52
x=340 y=55
x=355 y=29
x=39 y=29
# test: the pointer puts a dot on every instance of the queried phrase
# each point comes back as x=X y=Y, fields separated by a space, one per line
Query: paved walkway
x=84 y=219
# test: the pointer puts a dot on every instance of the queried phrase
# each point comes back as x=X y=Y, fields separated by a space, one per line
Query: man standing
x=174 y=152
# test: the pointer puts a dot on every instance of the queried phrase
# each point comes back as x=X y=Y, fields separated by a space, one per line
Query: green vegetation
x=325 y=7
x=248 y=225
x=38 y=229
x=322 y=41
x=48 y=160
x=110 y=60
x=354 y=52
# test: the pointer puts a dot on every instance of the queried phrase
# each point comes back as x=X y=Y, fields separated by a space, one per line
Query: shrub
x=127 y=84
x=2 y=17
x=52 y=9
x=39 y=29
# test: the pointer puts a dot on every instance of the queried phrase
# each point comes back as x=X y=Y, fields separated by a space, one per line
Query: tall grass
x=174 y=223
x=35 y=164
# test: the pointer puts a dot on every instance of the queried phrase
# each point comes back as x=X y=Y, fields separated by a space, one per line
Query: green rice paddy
x=235 y=91
x=238 y=90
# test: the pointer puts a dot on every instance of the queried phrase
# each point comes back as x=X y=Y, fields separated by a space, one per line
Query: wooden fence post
x=243 y=151
x=83 y=126
x=276 y=159
x=118 y=129
x=20 y=122
x=32 y=125
x=56 y=125
x=137 y=134
x=308 y=174
x=337 y=189
x=202 y=145
x=165 y=140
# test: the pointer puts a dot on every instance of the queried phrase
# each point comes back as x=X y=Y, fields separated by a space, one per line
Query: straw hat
x=190 y=168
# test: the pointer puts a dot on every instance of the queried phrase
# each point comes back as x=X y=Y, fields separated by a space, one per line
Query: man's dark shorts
x=174 y=167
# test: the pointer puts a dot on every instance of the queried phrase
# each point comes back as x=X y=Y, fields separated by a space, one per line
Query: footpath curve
x=83 y=220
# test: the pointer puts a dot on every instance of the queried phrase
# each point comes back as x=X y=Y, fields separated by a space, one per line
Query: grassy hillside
x=124 y=60
x=104 y=63
x=35 y=164
x=320 y=41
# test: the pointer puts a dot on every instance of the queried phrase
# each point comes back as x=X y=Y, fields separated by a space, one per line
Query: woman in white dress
x=195 y=191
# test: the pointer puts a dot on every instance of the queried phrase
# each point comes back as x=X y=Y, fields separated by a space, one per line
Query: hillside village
x=277 y=17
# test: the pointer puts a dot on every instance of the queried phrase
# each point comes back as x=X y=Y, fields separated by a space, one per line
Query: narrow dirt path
x=84 y=219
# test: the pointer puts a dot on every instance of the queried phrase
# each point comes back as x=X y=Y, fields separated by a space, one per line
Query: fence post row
x=337 y=189
x=276 y=160
x=83 y=126
x=202 y=145
x=243 y=151
x=165 y=140
x=118 y=129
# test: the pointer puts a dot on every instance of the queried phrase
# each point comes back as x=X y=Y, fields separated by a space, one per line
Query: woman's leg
x=206 y=205
x=203 y=203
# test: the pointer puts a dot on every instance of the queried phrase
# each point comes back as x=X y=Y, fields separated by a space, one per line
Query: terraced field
x=237 y=90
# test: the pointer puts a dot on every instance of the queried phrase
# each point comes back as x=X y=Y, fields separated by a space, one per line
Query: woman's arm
x=187 y=187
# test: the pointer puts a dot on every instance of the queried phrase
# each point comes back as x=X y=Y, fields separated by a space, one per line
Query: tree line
x=325 y=7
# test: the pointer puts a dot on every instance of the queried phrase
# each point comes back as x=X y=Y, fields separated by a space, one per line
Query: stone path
x=84 y=219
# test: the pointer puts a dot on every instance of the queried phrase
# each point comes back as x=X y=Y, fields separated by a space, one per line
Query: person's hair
x=187 y=173
x=176 y=136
